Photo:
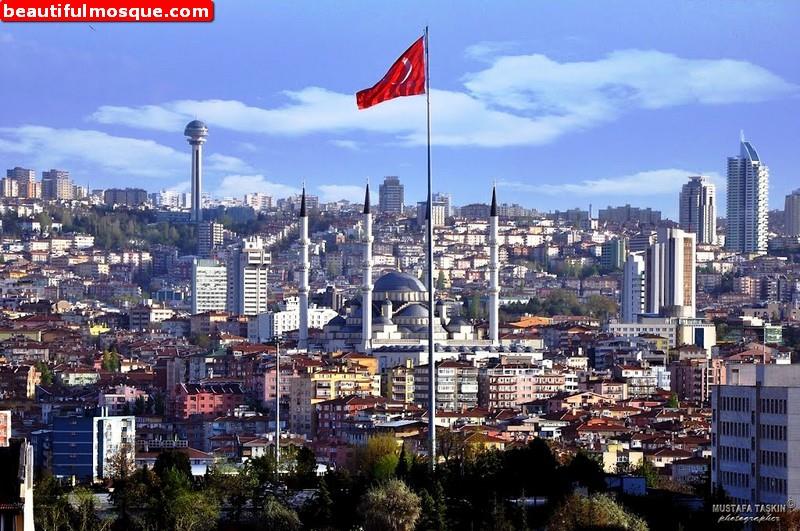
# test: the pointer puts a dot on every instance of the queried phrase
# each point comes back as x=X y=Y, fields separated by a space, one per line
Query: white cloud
x=346 y=144
x=516 y=100
x=49 y=147
x=644 y=183
x=238 y=185
x=329 y=193
x=485 y=50
x=103 y=155
x=227 y=164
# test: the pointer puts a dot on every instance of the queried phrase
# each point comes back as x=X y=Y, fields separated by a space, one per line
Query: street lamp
x=277 y=341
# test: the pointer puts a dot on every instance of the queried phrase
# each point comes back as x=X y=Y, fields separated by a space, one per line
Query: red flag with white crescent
x=406 y=77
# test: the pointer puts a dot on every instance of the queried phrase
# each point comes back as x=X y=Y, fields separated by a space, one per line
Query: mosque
x=390 y=321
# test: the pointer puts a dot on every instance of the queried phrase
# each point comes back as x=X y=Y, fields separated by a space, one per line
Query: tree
x=586 y=471
x=121 y=464
x=51 y=509
x=648 y=471
x=46 y=375
x=593 y=512
x=278 y=517
x=111 y=361
x=173 y=460
x=390 y=506
x=305 y=471
x=194 y=511
x=440 y=281
x=601 y=307
x=673 y=401
x=378 y=459
x=433 y=507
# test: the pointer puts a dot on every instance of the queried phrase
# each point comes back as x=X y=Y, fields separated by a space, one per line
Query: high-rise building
x=612 y=254
x=28 y=186
x=56 y=185
x=792 y=213
x=665 y=272
x=209 y=237
x=209 y=286
x=446 y=200
x=633 y=288
x=754 y=427
x=196 y=133
x=132 y=197
x=439 y=213
x=698 y=209
x=258 y=201
x=9 y=187
x=391 y=196
x=247 y=278
x=629 y=214
x=748 y=186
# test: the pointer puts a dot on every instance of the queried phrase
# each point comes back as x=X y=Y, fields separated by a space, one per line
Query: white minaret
x=304 y=268
x=196 y=133
x=366 y=289
x=494 y=273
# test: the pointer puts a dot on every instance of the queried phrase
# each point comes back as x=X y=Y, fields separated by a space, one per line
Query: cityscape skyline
x=542 y=135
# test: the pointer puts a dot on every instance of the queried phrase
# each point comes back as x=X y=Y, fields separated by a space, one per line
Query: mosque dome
x=397 y=281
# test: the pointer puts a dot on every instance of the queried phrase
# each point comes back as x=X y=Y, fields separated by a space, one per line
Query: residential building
x=792 y=214
x=613 y=253
x=16 y=493
x=85 y=447
x=439 y=213
x=209 y=286
x=5 y=427
x=210 y=236
x=27 y=185
x=391 y=196
x=456 y=385
x=755 y=434
x=57 y=185
x=205 y=400
x=511 y=385
x=268 y=325
x=628 y=214
x=9 y=187
x=698 y=209
x=311 y=388
x=130 y=197
x=748 y=187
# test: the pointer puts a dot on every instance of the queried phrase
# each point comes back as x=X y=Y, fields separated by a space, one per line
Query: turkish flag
x=406 y=77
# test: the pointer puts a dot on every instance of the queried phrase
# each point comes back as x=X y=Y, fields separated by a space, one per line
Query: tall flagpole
x=431 y=360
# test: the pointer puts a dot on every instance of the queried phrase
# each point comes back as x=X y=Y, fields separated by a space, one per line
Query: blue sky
x=562 y=103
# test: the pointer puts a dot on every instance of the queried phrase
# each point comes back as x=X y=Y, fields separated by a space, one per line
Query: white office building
x=266 y=326
x=247 y=278
x=756 y=433
x=698 y=209
x=748 y=187
x=633 y=287
x=661 y=279
x=209 y=286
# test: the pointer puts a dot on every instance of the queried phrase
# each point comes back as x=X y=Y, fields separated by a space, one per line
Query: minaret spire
x=305 y=266
x=494 y=272
x=366 y=288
